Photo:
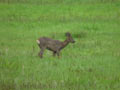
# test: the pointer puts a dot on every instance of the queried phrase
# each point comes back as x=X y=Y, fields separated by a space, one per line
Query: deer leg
x=41 y=52
x=58 y=54
x=54 y=53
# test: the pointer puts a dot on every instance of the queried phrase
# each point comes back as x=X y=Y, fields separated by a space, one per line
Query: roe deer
x=53 y=45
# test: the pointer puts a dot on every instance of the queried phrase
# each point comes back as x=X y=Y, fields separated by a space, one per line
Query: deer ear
x=68 y=34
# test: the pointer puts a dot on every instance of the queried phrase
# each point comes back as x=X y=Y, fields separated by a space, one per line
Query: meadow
x=92 y=63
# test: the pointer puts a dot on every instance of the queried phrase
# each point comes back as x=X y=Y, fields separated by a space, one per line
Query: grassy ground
x=92 y=63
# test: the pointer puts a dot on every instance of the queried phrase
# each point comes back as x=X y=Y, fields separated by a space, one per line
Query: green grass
x=92 y=63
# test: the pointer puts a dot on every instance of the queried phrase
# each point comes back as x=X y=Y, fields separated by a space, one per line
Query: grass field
x=92 y=63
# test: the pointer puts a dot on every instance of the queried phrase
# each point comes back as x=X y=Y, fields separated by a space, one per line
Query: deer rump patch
x=38 y=41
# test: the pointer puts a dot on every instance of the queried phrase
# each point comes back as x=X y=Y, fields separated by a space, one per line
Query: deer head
x=69 y=37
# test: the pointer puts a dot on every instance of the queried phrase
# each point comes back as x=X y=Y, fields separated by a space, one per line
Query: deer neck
x=65 y=43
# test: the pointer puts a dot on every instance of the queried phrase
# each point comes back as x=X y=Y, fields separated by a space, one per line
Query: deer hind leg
x=54 y=53
x=41 y=52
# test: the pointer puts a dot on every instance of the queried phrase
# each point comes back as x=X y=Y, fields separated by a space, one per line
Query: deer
x=53 y=45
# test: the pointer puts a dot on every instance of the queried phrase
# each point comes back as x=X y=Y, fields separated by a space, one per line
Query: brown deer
x=53 y=45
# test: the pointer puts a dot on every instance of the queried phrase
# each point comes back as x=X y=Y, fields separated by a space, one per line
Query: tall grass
x=57 y=1
x=92 y=63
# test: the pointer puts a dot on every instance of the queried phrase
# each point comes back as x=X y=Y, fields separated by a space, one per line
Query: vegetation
x=92 y=63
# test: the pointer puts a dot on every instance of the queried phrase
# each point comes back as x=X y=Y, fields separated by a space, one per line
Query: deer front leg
x=41 y=52
x=58 y=54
